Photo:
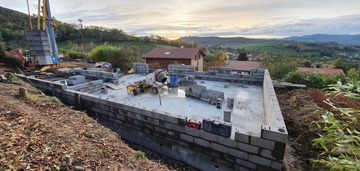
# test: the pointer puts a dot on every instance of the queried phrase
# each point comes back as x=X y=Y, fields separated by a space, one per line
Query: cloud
x=177 y=18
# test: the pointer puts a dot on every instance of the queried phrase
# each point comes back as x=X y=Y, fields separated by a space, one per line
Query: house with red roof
x=162 y=57
x=242 y=66
x=326 y=71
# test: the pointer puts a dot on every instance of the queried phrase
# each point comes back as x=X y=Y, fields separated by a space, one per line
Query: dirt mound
x=299 y=111
x=41 y=133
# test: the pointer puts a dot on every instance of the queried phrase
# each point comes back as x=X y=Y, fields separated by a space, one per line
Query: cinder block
x=248 y=148
x=111 y=114
x=153 y=121
x=260 y=160
x=238 y=154
x=276 y=165
x=242 y=137
x=182 y=120
x=209 y=136
x=149 y=126
x=147 y=131
x=246 y=164
x=193 y=132
x=186 y=137
x=158 y=129
x=275 y=134
x=159 y=116
x=171 y=119
x=263 y=168
x=267 y=153
x=121 y=117
x=262 y=143
x=202 y=142
x=178 y=128
x=171 y=133
x=218 y=147
x=226 y=141
x=229 y=158
x=280 y=147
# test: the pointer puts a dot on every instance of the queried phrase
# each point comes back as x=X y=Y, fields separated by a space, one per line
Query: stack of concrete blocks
x=88 y=87
x=211 y=96
x=77 y=79
x=141 y=68
x=221 y=70
x=187 y=80
x=96 y=75
x=172 y=68
x=256 y=76
x=195 y=90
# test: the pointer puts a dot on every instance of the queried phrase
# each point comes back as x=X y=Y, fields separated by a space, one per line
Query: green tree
x=242 y=55
x=221 y=56
x=339 y=63
x=306 y=63
x=279 y=67
x=118 y=57
x=1 y=38
x=135 y=51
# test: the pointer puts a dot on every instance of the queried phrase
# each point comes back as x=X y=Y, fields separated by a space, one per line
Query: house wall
x=198 y=63
x=165 y=62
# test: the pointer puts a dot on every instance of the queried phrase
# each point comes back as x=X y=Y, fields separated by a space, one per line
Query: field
x=274 y=47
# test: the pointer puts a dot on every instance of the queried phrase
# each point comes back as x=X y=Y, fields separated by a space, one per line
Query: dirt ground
x=299 y=111
x=40 y=133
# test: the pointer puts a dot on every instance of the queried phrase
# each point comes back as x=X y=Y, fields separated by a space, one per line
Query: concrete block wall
x=167 y=134
x=172 y=68
x=224 y=70
x=256 y=76
x=141 y=68
x=96 y=75
x=88 y=86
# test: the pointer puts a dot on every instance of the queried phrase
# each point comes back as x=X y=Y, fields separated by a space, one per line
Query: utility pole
x=82 y=33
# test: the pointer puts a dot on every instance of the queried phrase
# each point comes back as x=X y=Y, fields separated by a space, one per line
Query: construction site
x=216 y=120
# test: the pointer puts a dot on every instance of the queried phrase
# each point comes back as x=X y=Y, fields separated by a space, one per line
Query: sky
x=223 y=18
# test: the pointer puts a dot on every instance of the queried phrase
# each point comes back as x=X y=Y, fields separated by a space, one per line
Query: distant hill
x=341 y=39
x=220 y=41
x=13 y=25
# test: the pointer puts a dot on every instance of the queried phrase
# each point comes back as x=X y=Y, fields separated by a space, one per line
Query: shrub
x=318 y=81
x=117 y=56
x=76 y=55
x=11 y=60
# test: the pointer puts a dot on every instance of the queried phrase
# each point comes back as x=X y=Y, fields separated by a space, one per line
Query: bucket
x=174 y=80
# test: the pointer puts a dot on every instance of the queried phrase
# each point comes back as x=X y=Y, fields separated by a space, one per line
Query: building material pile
x=141 y=68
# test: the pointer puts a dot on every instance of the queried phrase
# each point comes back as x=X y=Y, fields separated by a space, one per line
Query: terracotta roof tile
x=241 y=65
x=180 y=53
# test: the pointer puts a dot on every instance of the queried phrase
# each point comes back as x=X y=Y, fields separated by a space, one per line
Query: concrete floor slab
x=247 y=116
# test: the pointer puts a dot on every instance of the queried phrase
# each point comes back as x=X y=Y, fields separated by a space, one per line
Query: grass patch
x=269 y=47
x=140 y=154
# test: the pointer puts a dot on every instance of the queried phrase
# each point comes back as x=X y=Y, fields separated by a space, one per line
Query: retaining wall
x=168 y=134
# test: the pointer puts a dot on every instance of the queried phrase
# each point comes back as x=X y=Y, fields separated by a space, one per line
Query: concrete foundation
x=168 y=134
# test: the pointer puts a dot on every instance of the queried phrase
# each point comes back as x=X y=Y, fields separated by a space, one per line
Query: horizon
x=261 y=20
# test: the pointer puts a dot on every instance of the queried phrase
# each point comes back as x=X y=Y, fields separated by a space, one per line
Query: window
x=167 y=53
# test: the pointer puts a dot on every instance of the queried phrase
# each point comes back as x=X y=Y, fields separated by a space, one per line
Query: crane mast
x=41 y=42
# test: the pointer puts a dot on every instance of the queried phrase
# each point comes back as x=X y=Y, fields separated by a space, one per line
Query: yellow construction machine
x=41 y=41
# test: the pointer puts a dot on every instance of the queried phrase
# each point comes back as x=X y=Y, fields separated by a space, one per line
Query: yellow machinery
x=156 y=80
x=41 y=42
